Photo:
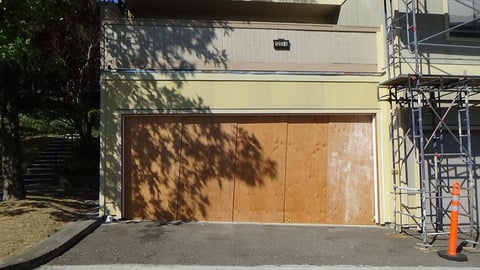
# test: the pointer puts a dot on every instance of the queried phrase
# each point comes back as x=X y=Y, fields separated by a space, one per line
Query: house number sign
x=281 y=44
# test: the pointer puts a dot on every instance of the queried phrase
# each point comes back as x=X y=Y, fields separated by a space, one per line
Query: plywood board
x=260 y=169
x=299 y=169
x=151 y=166
x=350 y=170
x=306 y=171
x=207 y=168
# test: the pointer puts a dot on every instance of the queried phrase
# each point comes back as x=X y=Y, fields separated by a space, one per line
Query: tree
x=48 y=53
x=16 y=53
x=71 y=70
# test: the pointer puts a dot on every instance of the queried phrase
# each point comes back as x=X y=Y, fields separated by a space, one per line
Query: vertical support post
x=465 y=145
x=388 y=32
x=416 y=107
x=394 y=144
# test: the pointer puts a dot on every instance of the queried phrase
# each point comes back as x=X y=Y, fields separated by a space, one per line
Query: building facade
x=266 y=111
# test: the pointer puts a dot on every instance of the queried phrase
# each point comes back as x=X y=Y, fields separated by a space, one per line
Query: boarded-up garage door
x=300 y=169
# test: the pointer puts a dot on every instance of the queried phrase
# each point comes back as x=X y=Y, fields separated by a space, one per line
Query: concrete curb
x=53 y=246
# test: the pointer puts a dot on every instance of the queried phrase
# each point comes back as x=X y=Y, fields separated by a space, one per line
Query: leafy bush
x=34 y=125
x=94 y=121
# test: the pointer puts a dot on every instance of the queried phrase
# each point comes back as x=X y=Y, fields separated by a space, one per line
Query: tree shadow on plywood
x=174 y=165
x=184 y=167
x=169 y=48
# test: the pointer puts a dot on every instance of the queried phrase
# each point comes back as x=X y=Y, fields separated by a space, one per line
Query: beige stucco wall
x=132 y=93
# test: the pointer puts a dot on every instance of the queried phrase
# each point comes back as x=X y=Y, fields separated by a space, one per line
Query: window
x=465 y=16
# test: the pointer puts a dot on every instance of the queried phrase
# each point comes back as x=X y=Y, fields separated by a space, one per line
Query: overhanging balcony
x=306 y=11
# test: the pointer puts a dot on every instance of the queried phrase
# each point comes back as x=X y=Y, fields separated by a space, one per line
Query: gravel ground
x=25 y=223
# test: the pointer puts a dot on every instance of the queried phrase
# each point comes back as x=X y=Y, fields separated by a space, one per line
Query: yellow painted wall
x=129 y=93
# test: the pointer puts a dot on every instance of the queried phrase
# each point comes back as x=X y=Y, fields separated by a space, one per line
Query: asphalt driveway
x=230 y=244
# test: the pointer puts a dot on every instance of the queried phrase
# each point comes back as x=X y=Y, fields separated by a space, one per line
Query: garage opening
x=295 y=168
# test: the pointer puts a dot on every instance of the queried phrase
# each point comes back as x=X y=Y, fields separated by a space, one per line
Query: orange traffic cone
x=452 y=254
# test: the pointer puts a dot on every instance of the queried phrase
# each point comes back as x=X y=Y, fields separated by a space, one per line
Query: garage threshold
x=288 y=224
x=179 y=222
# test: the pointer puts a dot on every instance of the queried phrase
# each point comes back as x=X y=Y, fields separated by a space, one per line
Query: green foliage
x=94 y=122
x=53 y=45
x=49 y=54
x=14 y=49
x=20 y=21
x=35 y=125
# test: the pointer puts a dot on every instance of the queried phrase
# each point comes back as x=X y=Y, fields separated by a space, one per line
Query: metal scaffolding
x=430 y=133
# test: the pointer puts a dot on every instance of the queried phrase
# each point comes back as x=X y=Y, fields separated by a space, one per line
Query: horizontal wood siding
x=237 y=47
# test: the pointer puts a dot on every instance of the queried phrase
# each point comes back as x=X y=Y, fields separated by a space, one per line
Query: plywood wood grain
x=350 y=170
x=207 y=168
x=306 y=170
x=260 y=169
x=151 y=166
x=298 y=169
